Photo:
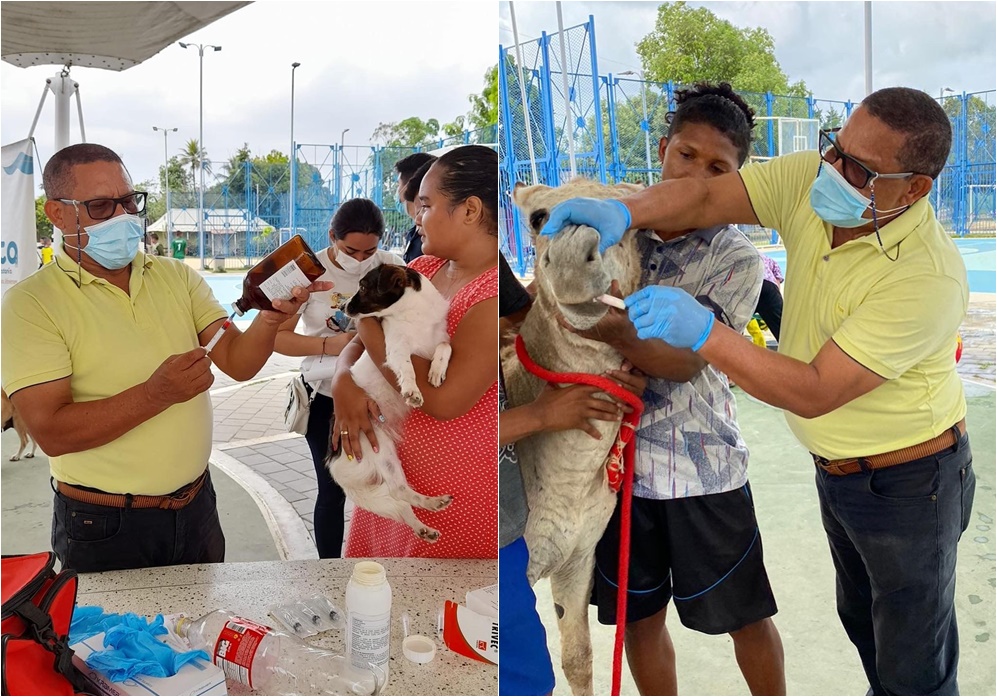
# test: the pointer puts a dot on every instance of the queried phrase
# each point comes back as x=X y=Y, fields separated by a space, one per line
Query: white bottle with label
x=368 y=617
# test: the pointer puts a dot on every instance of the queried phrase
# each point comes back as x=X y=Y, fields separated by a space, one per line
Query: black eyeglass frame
x=826 y=143
x=139 y=204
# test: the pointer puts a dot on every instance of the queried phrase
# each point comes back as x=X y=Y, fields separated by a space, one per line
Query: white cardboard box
x=484 y=601
x=195 y=678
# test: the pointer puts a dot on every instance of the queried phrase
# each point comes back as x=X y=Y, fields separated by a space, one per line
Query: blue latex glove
x=609 y=217
x=669 y=314
x=131 y=647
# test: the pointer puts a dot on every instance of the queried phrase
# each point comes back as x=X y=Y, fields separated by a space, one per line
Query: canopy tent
x=217 y=221
x=108 y=35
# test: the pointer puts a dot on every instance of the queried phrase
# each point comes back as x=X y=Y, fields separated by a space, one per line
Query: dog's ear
x=414 y=278
x=392 y=277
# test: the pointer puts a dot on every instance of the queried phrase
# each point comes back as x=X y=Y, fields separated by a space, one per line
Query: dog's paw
x=437 y=374
x=14 y=458
x=438 y=503
x=31 y=455
x=413 y=397
x=427 y=534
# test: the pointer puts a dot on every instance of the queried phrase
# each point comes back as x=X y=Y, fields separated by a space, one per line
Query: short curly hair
x=718 y=106
x=926 y=128
x=57 y=178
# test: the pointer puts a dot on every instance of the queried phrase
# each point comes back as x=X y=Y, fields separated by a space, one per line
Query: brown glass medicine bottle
x=291 y=264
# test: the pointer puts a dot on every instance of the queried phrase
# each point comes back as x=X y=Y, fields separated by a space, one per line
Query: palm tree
x=194 y=156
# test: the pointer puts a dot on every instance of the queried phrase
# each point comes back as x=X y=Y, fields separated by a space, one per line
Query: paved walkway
x=250 y=437
x=275 y=467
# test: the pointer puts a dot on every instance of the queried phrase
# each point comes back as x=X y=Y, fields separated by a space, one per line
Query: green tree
x=412 y=132
x=194 y=156
x=979 y=127
x=43 y=226
x=484 y=106
x=180 y=178
x=454 y=128
x=155 y=202
x=688 y=45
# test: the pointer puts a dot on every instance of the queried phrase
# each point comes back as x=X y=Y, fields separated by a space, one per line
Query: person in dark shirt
x=407 y=168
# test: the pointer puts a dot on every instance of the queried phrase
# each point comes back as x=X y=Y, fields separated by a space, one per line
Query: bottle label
x=280 y=284
x=368 y=639
x=236 y=648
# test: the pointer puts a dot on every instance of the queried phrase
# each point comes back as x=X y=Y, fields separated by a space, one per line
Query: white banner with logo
x=18 y=241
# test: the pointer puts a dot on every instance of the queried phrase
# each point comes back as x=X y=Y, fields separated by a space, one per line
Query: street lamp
x=200 y=143
x=342 y=156
x=294 y=156
x=169 y=207
x=647 y=124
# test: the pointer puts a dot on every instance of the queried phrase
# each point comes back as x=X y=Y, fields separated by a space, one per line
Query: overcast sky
x=362 y=63
x=367 y=62
x=925 y=45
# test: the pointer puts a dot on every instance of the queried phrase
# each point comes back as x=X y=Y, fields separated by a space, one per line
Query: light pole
x=169 y=208
x=647 y=124
x=200 y=144
x=938 y=181
x=294 y=155
x=342 y=156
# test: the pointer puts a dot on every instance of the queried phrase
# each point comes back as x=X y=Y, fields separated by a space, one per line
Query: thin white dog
x=414 y=318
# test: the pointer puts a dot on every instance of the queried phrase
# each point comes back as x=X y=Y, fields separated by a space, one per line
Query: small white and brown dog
x=9 y=418
x=413 y=315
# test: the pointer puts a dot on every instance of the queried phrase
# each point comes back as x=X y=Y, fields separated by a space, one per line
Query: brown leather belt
x=168 y=502
x=946 y=439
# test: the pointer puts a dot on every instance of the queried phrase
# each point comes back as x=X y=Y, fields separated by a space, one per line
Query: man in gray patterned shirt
x=694 y=536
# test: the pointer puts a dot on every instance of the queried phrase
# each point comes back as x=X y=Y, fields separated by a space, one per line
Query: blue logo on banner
x=24 y=163
x=8 y=253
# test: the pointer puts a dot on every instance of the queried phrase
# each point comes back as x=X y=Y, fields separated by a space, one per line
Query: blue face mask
x=837 y=202
x=113 y=243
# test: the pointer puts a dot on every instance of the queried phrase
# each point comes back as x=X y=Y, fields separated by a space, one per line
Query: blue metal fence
x=617 y=121
x=246 y=208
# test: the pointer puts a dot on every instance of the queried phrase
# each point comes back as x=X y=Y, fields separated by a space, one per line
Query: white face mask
x=354 y=267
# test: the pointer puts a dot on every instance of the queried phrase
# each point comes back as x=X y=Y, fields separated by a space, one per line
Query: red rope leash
x=628 y=427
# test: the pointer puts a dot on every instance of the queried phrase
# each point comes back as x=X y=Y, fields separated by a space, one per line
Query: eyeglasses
x=855 y=173
x=103 y=208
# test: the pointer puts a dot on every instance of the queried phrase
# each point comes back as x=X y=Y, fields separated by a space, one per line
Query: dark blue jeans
x=88 y=538
x=330 y=500
x=893 y=535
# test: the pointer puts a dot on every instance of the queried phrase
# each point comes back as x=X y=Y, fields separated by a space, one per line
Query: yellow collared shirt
x=106 y=342
x=898 y=319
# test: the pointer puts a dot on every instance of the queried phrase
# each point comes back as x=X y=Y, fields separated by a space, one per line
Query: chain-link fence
x=617 y=120
x=246 y=211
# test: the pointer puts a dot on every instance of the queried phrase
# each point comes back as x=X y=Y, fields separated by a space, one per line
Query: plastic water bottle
x=274 y=662
x=368 y=617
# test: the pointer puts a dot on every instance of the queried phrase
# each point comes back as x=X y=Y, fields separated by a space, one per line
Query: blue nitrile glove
x=130 y=644
x=669 y=314
x=609 y=217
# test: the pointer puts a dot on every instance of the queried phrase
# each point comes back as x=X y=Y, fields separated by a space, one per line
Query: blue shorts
x=524 y=666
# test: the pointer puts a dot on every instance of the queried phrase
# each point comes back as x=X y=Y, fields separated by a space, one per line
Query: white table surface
x=419 y=586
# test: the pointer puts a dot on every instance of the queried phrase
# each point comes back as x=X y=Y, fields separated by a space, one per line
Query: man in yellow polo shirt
x=875 y=293
x=103 y=358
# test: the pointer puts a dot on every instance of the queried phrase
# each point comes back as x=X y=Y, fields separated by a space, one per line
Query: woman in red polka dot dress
x=449 y=444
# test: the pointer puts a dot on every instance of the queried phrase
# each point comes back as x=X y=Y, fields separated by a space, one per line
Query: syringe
x=218 y=335
x=611 y=300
